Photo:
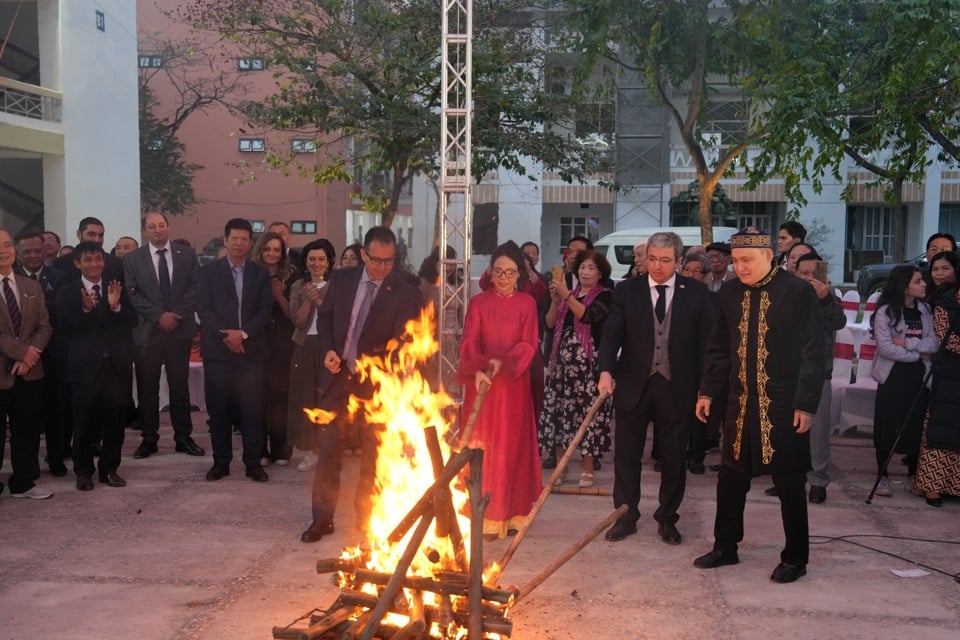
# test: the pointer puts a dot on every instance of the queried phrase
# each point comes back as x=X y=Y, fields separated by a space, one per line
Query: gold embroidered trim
x=767 y=278
x=766 y=447
x=742 y=376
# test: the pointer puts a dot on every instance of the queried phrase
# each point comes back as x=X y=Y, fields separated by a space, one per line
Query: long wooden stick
x=478 y=505
x=447 y=525
x=582 y=491
x=467 y=432
x=570 y=552
x=561 y=465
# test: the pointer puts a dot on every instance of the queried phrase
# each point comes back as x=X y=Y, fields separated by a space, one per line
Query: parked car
x=873 y=276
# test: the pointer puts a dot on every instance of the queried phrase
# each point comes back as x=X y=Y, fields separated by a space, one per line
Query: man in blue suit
x=364 y=309
x=234 y=301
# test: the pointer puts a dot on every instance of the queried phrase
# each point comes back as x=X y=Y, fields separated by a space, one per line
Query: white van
x=617 y=247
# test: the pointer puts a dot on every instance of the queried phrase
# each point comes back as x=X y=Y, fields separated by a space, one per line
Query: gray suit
x=155 y=347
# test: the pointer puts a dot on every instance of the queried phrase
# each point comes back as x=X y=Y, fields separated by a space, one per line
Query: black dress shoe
x=188 y=446
x=696 y=468
x=145 y=450
x=714 y=467
x=256 y=473
x=716 y=559
x=550 y=462
x=620 y=530
x=785 y=573
x=771 y=491
x=935 y=502
x=57 y=468
x=316 y=531
x=818 y=495
x=217 y=471
x=668 y=531
x=84 y=483
x=113 y=480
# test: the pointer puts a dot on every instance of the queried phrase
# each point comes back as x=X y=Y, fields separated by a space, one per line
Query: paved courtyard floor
x=172 y=556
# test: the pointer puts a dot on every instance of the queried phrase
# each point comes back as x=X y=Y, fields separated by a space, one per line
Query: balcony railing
x=30 y=101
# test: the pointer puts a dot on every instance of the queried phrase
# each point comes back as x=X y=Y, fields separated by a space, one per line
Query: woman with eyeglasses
x=571 y=389
x=500 y=339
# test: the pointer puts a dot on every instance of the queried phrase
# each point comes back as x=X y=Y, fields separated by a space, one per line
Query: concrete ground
x=172 y=556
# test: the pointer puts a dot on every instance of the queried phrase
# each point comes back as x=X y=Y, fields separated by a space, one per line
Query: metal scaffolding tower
x=455 y=207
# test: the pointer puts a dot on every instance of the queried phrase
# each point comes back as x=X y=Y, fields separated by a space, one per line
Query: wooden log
x=570 y=552
x=545 y=493
x=418 y=620
x=447 y=525
x=359 y=627
x=393 y=586
x=456 y=462
x=467 y=432
x=443 y=615
x=478 y=506
x=447 y=586
x=570 y=490
x=332 y=565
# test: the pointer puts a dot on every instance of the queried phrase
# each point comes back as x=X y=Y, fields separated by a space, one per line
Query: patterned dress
x=938 y=470
x=571 y=388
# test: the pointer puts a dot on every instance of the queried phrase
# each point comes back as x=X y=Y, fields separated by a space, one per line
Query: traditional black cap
x=750 y=238
x=723 y=247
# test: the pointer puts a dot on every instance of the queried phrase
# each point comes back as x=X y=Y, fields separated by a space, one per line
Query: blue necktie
x=12 y=307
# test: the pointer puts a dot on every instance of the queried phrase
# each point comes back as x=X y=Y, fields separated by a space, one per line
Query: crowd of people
x=709 y=355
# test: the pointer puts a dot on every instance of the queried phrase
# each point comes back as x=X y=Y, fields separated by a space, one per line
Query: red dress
x=504 y=328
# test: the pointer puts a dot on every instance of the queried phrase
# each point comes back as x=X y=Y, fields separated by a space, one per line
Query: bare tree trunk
x=898 y=223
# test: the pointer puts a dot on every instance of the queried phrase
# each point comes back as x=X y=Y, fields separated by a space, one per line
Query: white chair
x=851 y=306
x=860 y=396
x=842 y=372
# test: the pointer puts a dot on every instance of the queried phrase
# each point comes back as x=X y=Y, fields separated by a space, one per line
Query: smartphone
x=823 y=267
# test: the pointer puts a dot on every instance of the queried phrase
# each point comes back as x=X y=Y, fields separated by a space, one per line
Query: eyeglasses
x=504 y=273
x=382 y=262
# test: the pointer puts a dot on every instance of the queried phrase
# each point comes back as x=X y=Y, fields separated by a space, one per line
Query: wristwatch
x=243 y=334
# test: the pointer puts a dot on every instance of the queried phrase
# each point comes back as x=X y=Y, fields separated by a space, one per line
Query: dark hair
x=795 y=229
x=530 y=243
x=954 y=260
x=598 y=259
x=86 y=222
x=808 y=256
x=284 y=268
x=945 y=236
x=430 y=267
x=279 y=223
x=240 y=224
x=182 y=241
x=509 y=249
x=801 y=244
x=585 y=240
x=352 y=248
x=320 y=244
x=26 y=235
x=54 y=234
x=143 y=220
x=891 y=296
x=88 y=246
x=135 y=241
x=383 y=235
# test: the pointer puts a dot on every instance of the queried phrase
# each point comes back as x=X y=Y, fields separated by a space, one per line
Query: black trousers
x=99 y=406
x=234 y=387
x=326 y=476
x=173 y=353
x=22 y=404
x=732 y=488
x=57 y=408
x=672 y=425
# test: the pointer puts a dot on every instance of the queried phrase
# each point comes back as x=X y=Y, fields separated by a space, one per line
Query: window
x=485 y=223
x=250 y=64
x=950 y=219
x=870 y=229
x=303 y=226
x=588 y=226
x=729 y=118
x=145 y=61
x=300 y=145
x=259 y=226
x=251 y=145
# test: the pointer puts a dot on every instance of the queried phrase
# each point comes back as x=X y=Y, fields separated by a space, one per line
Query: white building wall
x=99 y=173
x=521 y=209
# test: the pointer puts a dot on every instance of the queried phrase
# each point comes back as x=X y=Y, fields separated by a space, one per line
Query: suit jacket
x=143 y=285
x=630 y=327
x=91 y=336
x=112 y=268
x=35 y=331
x=49 y=279
x=396 y=303
x=217 y=308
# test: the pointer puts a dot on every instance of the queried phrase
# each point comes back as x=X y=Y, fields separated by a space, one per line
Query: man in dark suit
x=97 y=319
x=363 y=310
x=24 y=334
x=161 y=281
x=32 y=254
x=661 y=321
x=234 y=301
x=91 y=230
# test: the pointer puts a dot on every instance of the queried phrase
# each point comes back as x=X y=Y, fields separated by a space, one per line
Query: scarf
x=580 y=329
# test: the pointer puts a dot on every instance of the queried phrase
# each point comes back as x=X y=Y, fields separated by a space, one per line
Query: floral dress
x=571 y=387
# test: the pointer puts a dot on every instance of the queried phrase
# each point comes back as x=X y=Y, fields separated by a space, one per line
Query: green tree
x=684 y=49
x=362 y=79
x=875 y=82
x=166 y=179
